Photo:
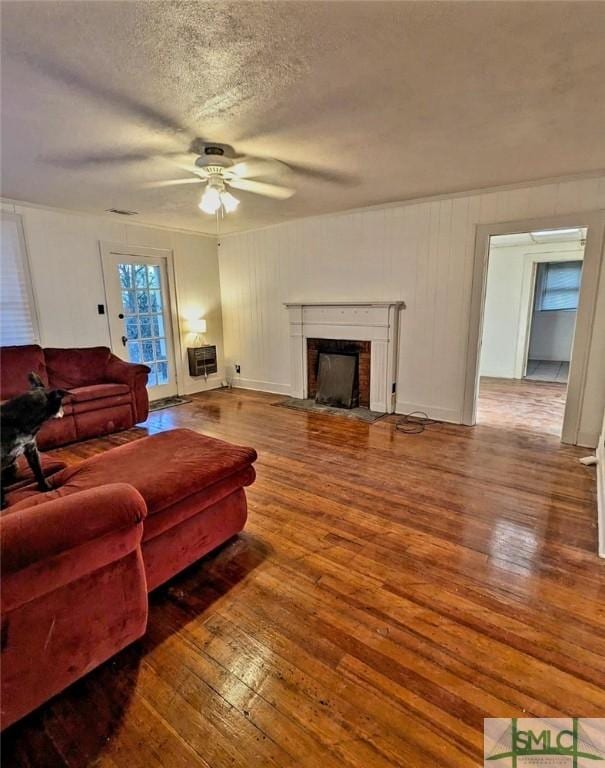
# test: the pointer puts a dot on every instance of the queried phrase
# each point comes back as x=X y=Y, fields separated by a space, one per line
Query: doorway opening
x=531 y=301
x=139 y=315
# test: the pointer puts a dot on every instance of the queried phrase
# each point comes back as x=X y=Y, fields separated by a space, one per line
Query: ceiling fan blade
x=172 y=183
x=70 y=162
x=322 y=174
x=251 y=167
x=262 y=188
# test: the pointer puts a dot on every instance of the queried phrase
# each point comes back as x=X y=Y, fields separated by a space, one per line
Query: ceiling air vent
x=121 y=212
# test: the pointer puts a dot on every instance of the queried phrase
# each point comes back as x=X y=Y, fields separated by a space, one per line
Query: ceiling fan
x=220 y=173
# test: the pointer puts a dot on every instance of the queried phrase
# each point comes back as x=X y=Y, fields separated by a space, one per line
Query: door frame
x=528 y=298
x=134 y=251
x=594 y=221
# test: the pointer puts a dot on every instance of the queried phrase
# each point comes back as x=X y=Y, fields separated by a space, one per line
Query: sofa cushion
x=24 y=475
x=97 y=391
x=58 y=431
x=102 y=421
x=16 y=363
x=78 y=367
x=164 y=468
x=192 y=505
x=103 y=404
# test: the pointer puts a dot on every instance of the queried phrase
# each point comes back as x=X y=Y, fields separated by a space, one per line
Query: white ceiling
x=545 y=237
x=393 y=100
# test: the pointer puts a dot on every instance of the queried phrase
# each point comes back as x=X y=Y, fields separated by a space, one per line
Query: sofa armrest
x=44 y=531
x=121 y=372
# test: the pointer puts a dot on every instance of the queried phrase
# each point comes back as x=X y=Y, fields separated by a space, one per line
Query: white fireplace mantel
x=374 y=321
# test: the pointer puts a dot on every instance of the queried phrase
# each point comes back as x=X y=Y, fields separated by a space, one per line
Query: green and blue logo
x=555 y=742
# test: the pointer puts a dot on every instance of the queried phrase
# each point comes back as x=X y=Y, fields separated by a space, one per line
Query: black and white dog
x=20 y=420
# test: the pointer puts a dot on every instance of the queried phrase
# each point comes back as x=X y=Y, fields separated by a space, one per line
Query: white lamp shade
x=196 y=326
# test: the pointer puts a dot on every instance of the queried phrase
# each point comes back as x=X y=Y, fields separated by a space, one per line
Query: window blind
x=558 y=285
x=17 y=318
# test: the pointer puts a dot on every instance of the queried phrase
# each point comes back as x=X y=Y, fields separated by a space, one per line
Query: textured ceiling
x=392 y=100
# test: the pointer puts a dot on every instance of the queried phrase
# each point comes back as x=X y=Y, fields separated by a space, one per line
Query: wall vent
x=121 y=212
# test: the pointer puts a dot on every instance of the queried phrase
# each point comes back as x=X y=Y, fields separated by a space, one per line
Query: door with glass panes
x=138 y=308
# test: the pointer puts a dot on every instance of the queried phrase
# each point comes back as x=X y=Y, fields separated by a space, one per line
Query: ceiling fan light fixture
x=229 y=202
x=211 y=200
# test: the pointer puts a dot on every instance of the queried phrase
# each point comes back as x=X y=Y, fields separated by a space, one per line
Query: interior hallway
x=515 y=404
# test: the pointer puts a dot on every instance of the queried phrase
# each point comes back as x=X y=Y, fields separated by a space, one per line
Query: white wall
x=502 y=314
x=552 y=335
x=65 y=262
x=419 y=252
x=507 y=306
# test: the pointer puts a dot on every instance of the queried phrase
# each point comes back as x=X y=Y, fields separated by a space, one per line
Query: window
x=558 y=285
x=18 y=323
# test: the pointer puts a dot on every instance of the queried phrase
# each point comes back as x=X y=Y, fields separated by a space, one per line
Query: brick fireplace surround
x=339 y=346
x=373 y=324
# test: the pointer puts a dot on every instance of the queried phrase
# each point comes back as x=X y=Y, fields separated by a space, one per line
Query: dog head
x=54 y=397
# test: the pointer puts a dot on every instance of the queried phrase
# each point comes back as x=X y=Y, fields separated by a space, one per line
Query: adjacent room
x=529 y=319
x=302 y=383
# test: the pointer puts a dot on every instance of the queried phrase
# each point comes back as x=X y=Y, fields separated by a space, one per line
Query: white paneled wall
x=419 y=252
x=65 y=261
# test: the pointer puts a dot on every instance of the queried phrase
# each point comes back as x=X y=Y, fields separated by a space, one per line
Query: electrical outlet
x=237 y=368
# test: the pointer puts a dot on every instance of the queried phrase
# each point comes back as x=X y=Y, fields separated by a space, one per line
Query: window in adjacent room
x=18 y=322
x=558 y=285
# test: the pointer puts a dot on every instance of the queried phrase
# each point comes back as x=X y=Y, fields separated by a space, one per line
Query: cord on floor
x=414 y=423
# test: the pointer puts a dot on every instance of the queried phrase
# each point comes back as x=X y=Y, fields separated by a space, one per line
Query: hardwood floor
x=521 y=405
x=389 y=592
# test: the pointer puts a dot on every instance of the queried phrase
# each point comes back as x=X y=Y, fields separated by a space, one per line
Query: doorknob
x=124 y=340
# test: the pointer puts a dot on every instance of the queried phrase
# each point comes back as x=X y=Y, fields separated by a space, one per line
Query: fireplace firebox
x=346 y=369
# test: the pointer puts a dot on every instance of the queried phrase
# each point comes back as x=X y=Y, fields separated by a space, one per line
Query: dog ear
x=35 y=381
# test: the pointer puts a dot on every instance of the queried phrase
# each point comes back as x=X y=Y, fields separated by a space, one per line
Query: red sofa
x=78 y=561
x=106 y=394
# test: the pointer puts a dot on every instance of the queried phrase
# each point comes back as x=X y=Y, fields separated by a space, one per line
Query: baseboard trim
x=197 y=387
x=601 y=492
x=261 y=386
x=450 y=415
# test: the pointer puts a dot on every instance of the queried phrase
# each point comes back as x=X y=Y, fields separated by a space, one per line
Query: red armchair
x=74 y=591
x=106 y=393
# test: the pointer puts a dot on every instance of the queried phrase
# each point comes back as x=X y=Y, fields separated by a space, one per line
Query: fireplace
x=359 y=351
x=372 y=327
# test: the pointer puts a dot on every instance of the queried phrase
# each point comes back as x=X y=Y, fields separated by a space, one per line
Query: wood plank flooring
x=520 y=405
x=389 y=592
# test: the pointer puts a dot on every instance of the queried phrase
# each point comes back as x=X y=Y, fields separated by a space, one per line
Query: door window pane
x=145 y=321
x=162 y=372
x=152 y=381
x=140 y=276
x=142 y=301
x=134 y=352
x=145 y=328
x=128 y=302
x=155 y=301
x=148 y=352
x=132 y=328
x=157 y=324
x=125 y=275
x=153 y=277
